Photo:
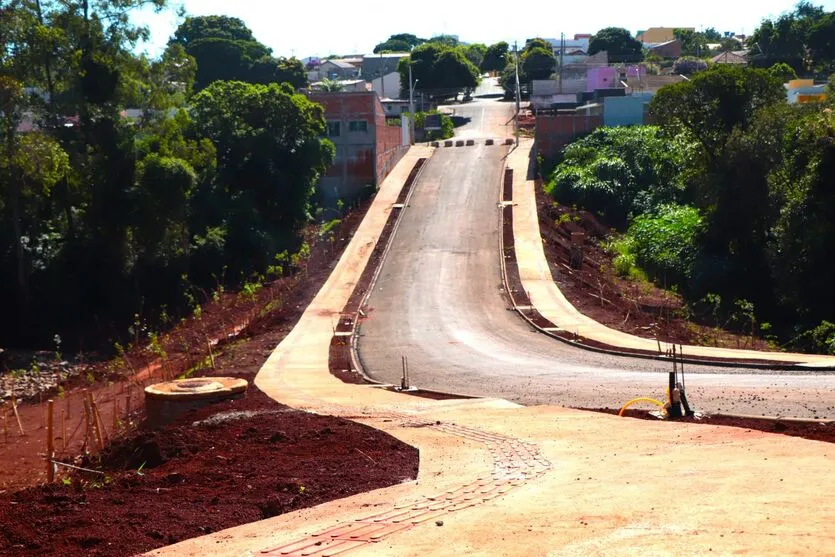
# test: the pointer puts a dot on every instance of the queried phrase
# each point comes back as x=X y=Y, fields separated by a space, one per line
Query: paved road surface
x=438 y=301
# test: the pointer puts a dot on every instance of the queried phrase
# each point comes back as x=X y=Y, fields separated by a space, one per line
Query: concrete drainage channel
x=470 y=142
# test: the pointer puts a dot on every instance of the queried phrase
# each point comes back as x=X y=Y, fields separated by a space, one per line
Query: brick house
x=366 y=148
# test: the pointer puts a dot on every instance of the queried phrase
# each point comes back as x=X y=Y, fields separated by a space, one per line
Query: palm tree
x=330 y=86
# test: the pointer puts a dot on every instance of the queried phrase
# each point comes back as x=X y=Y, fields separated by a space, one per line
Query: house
x=366 y=148
x=346 y=85
x=394 y=108
x=730 y=58
x=577 y=47
x=658 y=35
x=603 y=77
x=667 y=49
x=629 y=110
x=802 y=91
x=376 y=65
x=650 y=83
x=387 y=86
x=338 y=69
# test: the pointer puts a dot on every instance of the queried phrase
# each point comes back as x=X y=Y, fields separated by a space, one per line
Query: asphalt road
x=438 y=301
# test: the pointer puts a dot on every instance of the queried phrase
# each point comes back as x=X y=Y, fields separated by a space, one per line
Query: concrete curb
x=637 y=353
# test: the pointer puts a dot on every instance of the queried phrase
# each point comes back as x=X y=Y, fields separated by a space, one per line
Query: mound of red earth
x=231 y=463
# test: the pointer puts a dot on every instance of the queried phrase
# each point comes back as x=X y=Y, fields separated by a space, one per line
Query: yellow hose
x=640 y=399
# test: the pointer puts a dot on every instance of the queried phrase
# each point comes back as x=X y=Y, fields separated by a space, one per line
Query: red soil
x=198 y=477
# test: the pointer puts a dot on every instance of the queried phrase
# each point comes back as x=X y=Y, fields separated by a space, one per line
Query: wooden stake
x=63 y=431
x=97 y=423
x=86 y=425
x=17 y=416
x=50 y=447
x=67 y=403
x=94 y=422
x=115 y=416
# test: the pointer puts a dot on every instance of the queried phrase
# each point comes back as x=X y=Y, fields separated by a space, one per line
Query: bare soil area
x=231 y=463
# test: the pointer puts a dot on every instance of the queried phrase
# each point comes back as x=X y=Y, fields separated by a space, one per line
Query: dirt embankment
x=220 y=466
x=635 y=307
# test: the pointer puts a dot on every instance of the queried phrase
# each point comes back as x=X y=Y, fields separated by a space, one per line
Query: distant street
x=438 y=301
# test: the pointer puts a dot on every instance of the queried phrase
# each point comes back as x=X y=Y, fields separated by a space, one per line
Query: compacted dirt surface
x=227 y=464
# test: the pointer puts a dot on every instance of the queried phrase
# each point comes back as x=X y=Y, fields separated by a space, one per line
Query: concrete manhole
x=165 y=401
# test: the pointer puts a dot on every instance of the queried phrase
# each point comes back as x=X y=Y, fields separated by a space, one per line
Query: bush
x=621 y=172
x=665 y=243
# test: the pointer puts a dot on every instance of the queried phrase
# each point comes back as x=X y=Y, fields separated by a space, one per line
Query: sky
x=329 y=27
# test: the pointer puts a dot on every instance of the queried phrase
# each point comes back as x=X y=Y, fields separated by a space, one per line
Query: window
x=333 y=129
x=358 y=126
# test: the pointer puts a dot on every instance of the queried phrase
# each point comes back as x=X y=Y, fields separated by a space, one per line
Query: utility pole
x=518 y=90
x=562 y=50
x=411 y=104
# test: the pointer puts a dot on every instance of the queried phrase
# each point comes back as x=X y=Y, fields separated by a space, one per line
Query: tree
x=225 y=50
x=714 y=102
x=392 y=46
x=622 y=172
x=330 y=86
x=454 y=71
x=618 y=43
x=475 y=54
x=692 y=42
x=712 y=35
x=194 y=29
x=278 y=70
x=440 y=68
x=782 y=72
x=270 y=156
x=495 y=58
x=787 y=38
x=822 y=42
x=447 y=40
x=538 y=63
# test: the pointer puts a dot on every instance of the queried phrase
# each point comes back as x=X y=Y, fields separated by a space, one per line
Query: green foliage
x=447 y=126
x=802 y=38
x=819 y=339
x=621 y=172
x=619 y=43
x=538 y=63
x=225 y=50
x=495 y=58
x=401 y=42
x=103 y=214
x=475 y=53
x=440 y=69
x=665 y=242
x=692 y=42
x=734 y=95
x=782 y=72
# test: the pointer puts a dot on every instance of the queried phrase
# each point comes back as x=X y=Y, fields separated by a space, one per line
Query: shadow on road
x=459 y=121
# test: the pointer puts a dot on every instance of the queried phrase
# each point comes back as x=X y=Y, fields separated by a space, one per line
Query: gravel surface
x=439 y=302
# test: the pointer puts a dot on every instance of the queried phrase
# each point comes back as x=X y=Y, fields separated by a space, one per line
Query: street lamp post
x=411 y=104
